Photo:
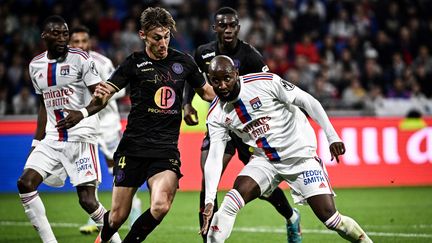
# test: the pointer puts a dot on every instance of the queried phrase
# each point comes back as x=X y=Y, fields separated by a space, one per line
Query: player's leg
x=228 y=154
x=34 y=208
x=324 y=208
x=277 y=198
x=310 y=184
x=245 y=190
x=163 y=187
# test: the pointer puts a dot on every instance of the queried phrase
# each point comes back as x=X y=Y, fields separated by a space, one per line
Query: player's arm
x=206 y=92
x=41 y=123
x=102 y=92
x=313 y=107
x=190 y=114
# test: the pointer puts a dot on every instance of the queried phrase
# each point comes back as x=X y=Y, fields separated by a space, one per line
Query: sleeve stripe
x=113 y=85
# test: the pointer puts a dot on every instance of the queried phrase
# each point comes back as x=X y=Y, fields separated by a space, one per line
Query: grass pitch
x=387 y=214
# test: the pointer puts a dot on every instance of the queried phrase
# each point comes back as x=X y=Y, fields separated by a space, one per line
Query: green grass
x=387 y=214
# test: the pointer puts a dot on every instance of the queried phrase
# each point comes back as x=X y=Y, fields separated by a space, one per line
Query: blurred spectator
x=108 y=24
x=398 y=90
x=423 y=58
x=342 y=27
x=354 y=95
x=310 y=21
x=245 y=22
x=277 y=61
x=306 y=74
x=385 y=48
x=129 y=38
x=308 y=49
x=324 y=91
x=345 y=70
x=4 y=104
x=328 y=54
x=372 y=75
x=24 y=103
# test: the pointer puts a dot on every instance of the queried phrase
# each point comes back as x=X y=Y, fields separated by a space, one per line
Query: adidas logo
x=228 y=121
x=322 y=185
x=215 y=228
x=88 y=173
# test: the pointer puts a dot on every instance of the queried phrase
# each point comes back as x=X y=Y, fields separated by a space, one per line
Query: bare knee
x=25 y=184
x=89 y=204
x=160 y=208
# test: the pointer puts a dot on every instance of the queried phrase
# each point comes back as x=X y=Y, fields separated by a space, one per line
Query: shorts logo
x=228 y=121
x=88 y=173
x=255 y=103
x=313 y=176
x=120 y=175
x=64 y=70
x=177 y=68
x=322 y=185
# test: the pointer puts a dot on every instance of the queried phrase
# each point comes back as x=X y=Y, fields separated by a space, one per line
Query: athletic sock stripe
x=235 y=198
x=335 y=222
x=28 y=199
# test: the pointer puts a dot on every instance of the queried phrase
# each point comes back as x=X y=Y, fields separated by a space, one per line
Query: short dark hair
x=156 y=17
x=79 y=29
x=225 y=10
x=53 y=19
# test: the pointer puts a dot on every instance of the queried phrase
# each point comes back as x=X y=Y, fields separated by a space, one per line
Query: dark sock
x=107 y=232
x=142 y=227
x=280 y=202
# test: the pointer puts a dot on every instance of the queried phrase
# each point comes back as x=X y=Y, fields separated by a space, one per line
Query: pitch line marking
x=262 y=229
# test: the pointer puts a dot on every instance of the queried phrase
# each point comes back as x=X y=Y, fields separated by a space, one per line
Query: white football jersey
x=109 y=116
x=64 y=84
x=266 y=119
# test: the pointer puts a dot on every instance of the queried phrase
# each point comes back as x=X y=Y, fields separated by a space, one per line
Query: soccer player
x=110 y=120
x=148 y=150
x=263 y=110
x=247 y=60
x=63 y=78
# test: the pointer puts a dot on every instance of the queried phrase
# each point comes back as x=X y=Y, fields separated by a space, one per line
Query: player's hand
x=207 y=215
x=190 y=115
x=101 y=93
x=336 y=149
x=72 y=118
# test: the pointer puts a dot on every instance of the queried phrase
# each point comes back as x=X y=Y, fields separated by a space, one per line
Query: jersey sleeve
x=90 y=74
x=255 y=62
x=291 y=94
x=214 y=163
x=106 y=70
x=32 y=73
x=195 y=77
x=120 y=77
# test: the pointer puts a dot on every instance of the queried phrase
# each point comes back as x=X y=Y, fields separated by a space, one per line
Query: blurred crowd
x=348 y=54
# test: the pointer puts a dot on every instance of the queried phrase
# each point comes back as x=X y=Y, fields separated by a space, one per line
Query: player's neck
x=225 y=49
x=59 y=56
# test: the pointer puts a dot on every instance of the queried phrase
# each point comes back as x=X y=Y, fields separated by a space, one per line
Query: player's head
x=226 y=25
x=55 y=35
x=224 y=77
x=156 y=26
x=80 y=38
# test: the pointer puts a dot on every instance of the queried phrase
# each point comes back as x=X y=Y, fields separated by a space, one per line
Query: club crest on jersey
x=255 y=103
x=64 y=70
x=177 y=68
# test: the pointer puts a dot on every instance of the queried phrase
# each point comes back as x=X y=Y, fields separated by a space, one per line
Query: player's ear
x=142 y=35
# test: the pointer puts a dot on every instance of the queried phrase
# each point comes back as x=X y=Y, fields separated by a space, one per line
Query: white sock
x=293 y=218
x=347 y=227
x=97 y=217
x=223 y=220
x=35 y=211
x=111 y=170
x=136 y=203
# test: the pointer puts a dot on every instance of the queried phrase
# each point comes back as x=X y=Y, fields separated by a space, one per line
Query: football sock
x=98 y=215
x=35 y=211
x=107 y=232
x=223 y=221
x=280 y=202
x=142 y=227
x=347 y=227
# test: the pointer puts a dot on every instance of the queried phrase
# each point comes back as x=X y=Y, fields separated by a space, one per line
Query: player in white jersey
x=263 y=110
x=110 y=121
x=63 y=78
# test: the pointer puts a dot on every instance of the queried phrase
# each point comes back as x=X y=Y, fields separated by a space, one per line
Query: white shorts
x=55 y=160
x=108 y=140
x=307 y=177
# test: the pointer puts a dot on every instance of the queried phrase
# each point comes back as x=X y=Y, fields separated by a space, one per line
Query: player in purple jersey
x=248 y=60
x=63 y=78
x=148 y=150
x=263 y=110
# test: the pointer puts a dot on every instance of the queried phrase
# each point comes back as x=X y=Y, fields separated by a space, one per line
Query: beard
x=232 y=95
